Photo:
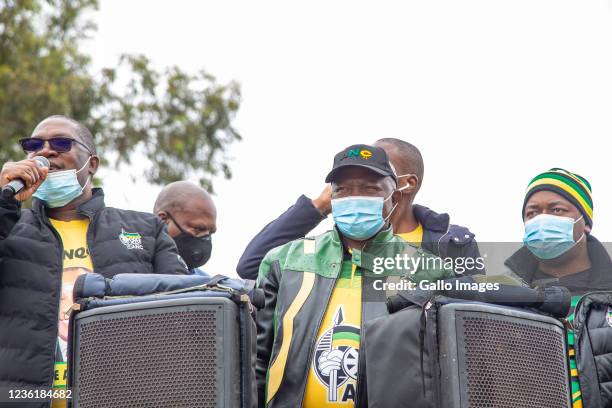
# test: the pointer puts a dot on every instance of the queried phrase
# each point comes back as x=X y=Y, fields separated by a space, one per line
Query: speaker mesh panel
x=157 y=360
x=512 y=363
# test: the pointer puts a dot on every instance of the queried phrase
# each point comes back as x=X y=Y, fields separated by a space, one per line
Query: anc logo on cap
x=365 y=154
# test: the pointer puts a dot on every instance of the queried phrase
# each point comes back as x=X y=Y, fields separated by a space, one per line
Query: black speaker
x=164 y=353
x=498 y=357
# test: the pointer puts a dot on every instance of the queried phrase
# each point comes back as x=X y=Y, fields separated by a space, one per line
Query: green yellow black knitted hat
x=576 y=189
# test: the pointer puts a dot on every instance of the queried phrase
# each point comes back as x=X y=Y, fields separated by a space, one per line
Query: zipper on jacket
x=359 y=362
x=87 y=234
x=314 y=340
x=48 y=223
x=361 y=336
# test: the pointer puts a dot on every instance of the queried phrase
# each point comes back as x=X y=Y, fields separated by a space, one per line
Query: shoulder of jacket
x=131 y=215
x=28 y=212
x=307 y=246
x=460 y=235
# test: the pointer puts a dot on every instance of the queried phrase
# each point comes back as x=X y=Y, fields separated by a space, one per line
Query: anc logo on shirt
x=335 y=359
x=365 y=154
x=131 y=240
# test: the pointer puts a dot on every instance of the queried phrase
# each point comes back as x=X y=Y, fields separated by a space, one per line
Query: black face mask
x=195 y=251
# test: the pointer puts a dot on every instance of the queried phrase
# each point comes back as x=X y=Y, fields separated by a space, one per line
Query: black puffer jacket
x=30 y=276
x=593 y=331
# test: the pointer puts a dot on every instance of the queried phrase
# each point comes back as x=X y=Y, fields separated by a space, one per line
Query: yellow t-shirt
x=76 y=261
x=74 y=238
x=332 y=377
x=414 y=237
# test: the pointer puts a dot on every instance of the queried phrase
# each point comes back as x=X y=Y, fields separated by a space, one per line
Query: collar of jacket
x=431 y=220
x=525 y=264
x=88 y=208
x=323 y=254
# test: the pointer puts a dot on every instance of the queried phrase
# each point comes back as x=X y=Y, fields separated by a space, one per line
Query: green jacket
x=298 y=279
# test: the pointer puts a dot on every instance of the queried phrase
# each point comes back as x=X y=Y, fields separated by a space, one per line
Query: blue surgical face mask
x=550 y=236
x=359 y=217
x=61 y=187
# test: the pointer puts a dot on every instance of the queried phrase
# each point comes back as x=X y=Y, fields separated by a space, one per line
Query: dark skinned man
x=319 y=291
x=191 y=216
x=560 y=250
x=559 y=247
x=412 y=222
x=68 y=227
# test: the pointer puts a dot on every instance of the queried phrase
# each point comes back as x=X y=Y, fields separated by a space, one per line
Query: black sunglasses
x=59 y=144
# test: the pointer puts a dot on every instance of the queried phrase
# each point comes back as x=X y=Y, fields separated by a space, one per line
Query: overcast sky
x=492 y=92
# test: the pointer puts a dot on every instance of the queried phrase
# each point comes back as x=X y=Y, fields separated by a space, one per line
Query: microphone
x=15 y=186
x=554 y=300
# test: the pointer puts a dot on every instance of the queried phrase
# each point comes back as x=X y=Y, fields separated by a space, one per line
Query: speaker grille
x=512 y=363
x=166 y=359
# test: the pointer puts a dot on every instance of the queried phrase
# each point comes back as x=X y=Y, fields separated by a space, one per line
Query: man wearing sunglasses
x=190 y=214
x=68 y=228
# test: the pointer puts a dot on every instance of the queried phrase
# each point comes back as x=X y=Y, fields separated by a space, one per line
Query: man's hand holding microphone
x=21 y=179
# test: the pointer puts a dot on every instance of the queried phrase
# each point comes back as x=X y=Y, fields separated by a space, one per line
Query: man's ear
x=413 y=180
x=411 y=186
x=163 y=216
x=396 y=197
x=587 y=229
x=94 y=164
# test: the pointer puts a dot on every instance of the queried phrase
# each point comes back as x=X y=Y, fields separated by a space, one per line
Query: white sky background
x=492 y=93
